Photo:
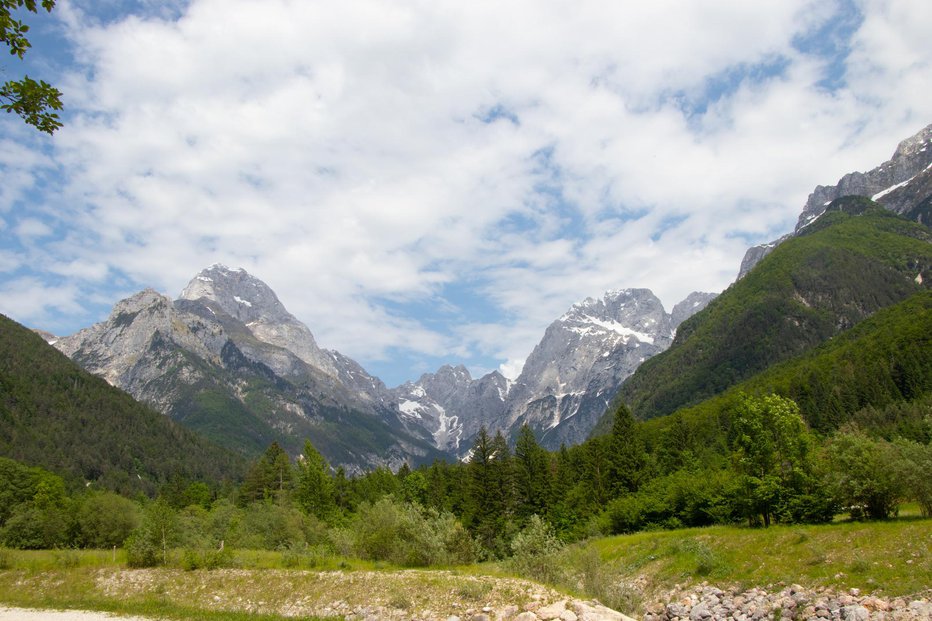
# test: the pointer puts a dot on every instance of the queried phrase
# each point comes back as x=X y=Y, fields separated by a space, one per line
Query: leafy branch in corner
x=34 y=101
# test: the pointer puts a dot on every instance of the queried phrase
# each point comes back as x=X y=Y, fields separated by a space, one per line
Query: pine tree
x=489 y=490
x=627 y=457
x=315 y=486
x=270 y=475
x=533 y=485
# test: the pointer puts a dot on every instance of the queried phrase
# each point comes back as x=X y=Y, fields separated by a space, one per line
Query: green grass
x=78 y=589
x=255 y=585
x=892 y=558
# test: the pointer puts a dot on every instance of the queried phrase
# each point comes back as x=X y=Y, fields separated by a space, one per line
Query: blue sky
x=430 y=183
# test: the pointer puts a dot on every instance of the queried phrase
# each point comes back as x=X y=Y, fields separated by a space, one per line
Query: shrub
x=192 y=559
x=149 y=543
x=142 y=550
x=865 y=474
x=33 y=528
x=268 y=525
x=534 y=549
x=915 y=466
x=406 y=534
x=106 y=519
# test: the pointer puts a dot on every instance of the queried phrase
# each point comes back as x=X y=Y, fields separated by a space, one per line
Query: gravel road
x=23 y=614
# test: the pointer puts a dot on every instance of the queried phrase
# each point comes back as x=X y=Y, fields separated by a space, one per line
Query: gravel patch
x=23 y=614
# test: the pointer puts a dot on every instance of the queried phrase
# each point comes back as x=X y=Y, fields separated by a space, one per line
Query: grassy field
x=890 y=559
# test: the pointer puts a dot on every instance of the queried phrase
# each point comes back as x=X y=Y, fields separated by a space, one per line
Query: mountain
x=877 y=374
x=567 y=381
x=253 y=303
x=453 y=406
x=902 y=184
x=574 y=372
x=55 y=415
x=228 y=360
x=854 y=260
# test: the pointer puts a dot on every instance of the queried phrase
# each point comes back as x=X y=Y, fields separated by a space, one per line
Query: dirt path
x=24 y=614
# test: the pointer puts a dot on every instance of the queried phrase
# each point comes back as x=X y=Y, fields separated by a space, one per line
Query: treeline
x=757 y=463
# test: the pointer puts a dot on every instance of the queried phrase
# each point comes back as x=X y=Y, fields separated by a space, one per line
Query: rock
x=526 y=616
x=593 y=611
x=875 y=604
x=553 y=611
x=855 y=613
x=921 y=608
x=480 y=617
x=699 y=613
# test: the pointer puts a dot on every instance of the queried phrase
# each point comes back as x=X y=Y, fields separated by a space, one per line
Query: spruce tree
x=315 y=486
x=532 y=475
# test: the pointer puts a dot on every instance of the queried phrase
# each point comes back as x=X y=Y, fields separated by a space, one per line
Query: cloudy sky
x=431 y=181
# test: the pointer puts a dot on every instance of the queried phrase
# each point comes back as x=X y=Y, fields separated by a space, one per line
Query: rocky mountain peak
x=238 y=293
x=572 y=374
x=146 y=299
x=914 y=145
x=694 y=302
x=619 y=314
x=252 y=302
x=912 y=157
x=902 y=184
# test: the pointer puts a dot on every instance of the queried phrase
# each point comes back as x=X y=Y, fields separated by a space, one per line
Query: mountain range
x=227 y=359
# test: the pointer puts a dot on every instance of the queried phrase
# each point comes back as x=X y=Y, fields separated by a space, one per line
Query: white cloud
x=32 y=298
x=338 y=151
x=31 y=228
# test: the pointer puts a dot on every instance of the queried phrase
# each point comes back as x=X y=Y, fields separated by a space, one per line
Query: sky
x=434 y=182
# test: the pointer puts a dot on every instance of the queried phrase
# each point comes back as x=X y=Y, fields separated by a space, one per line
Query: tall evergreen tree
x=533 y=484
x=314 y=492
x=269 y=476
x=627 y=457
x=489 y=490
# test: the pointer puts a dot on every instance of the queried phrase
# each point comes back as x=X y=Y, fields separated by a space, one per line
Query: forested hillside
x=55 y=415
x=854 y=260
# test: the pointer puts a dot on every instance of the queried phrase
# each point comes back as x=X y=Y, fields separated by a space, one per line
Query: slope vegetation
x=55 y=415
x=878 y=374
x=856 y=259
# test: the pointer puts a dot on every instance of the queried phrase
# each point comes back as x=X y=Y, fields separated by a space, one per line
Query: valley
x=757 y=453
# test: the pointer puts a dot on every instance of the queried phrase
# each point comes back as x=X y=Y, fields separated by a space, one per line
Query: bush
x=268 y=525
x=534 y=549
x=142 y=550
x=34 y=528
x=195 y=528
x=149 y=543
x=536 y=539
x=106 y=520
x=915 y=466
x=408 y=535
x=192 y=559
x=866 y=474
